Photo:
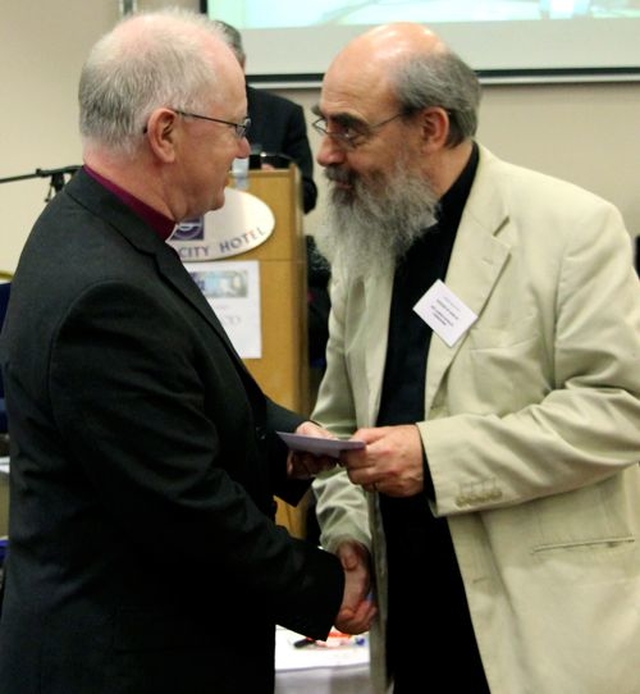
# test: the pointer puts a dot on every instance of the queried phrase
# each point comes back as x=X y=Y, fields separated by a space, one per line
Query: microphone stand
x=57 y=177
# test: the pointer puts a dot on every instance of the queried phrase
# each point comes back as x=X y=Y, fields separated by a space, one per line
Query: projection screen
x=293 y=41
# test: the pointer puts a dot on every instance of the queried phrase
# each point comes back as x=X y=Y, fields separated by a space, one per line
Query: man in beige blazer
x=506 y=460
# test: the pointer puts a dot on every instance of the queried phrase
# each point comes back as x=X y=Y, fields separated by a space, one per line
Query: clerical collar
x=161 y=224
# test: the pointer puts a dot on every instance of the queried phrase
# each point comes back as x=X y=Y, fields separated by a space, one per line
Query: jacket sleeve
x=341 y=507
x=543 y=396
x=158 y=425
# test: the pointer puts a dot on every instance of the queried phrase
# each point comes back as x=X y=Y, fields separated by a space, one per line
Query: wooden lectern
x=283 y=369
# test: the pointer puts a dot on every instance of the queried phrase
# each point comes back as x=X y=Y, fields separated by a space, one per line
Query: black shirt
x=426 y=594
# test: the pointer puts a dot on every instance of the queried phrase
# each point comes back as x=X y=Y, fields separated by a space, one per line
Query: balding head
x=407 y=66
x=385 y=46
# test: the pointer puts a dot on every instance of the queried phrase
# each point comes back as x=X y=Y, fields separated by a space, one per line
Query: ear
x=435 y=128
x=161 y=133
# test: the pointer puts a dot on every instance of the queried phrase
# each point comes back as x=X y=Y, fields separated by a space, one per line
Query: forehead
x=229 y=90
x=355 y=89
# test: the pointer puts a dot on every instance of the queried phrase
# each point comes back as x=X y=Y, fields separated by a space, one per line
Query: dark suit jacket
x=5 y=290
x=143 y=556
x=278 y=127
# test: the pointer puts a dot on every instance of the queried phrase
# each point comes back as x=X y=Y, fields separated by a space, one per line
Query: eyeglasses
x=240 y=128
x=351 y=136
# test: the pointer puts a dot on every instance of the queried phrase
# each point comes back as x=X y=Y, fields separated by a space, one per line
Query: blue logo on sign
x=189 y=230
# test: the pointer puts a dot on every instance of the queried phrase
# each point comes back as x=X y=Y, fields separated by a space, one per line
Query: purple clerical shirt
x=161 y=224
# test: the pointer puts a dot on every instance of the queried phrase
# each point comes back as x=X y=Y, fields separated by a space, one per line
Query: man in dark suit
x=144 y=458
x=278 y=127
x=279 y=132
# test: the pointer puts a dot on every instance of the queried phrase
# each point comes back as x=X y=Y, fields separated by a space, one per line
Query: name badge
x=445 y=313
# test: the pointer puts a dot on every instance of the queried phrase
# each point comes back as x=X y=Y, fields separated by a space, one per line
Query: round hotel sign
x=244 y=222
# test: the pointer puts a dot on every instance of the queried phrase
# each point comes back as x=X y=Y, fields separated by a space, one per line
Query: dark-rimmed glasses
x=352 y=135
x=240 y=128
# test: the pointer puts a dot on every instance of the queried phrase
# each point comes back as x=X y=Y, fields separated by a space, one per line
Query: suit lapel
x=476 y=263
x=90 y=194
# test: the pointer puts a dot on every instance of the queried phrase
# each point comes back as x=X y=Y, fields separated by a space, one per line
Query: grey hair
x=443 y=79
x=129 y=74
x=233 y=39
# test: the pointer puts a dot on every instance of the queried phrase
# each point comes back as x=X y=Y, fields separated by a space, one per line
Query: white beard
x=370 y=227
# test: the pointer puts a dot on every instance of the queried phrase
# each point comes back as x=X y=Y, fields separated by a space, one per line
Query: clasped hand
x=358 y=608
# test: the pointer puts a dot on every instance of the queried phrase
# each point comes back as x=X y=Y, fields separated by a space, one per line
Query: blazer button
x=462 y=500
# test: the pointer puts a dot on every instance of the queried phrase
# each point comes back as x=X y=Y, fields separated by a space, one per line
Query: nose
x=330 y=152
x=244 y=148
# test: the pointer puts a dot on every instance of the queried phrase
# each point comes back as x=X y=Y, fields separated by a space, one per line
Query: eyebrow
x=346 y=120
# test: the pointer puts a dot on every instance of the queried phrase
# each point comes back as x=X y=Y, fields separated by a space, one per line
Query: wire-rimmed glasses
x=352 y=135
x=240 y=128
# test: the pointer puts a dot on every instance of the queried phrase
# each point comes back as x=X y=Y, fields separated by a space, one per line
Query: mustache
x=338 y=175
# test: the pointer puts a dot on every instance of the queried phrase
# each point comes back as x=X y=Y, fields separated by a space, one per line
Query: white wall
x=42 y=47
x=587 y=133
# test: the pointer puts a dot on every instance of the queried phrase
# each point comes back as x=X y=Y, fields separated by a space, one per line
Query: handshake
x=314 y=450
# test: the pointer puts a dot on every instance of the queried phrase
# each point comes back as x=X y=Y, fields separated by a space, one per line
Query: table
x=322 y=669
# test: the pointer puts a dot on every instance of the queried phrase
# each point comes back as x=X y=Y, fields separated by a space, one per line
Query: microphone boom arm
x=56 y=176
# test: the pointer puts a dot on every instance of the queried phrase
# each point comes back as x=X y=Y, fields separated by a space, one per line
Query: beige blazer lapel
x=476 y=262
